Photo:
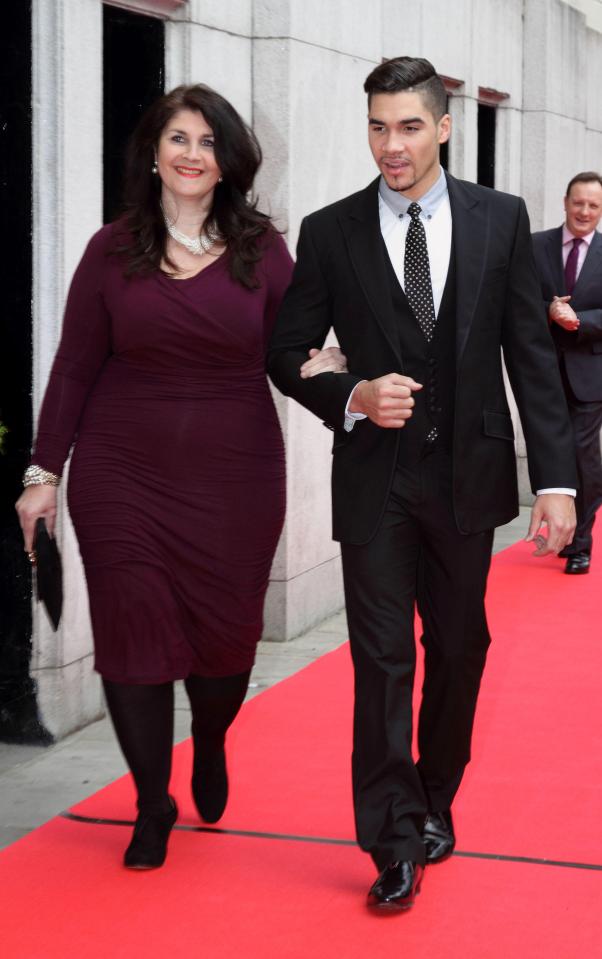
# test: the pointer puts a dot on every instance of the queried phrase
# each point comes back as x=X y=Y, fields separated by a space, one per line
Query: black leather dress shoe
x=148 y=847
x=210 y=785
x=438 y=836
x=578 y=564
x=396 y=886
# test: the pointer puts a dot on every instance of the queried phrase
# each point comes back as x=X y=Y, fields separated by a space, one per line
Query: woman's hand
x=35 y=502
x=328 y=360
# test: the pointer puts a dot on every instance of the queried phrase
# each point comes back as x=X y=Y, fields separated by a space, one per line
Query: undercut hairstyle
x=588 y=177
x=413 y=74
x=142 y=239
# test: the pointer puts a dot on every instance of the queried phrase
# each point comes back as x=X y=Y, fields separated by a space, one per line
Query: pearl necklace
x=196 y=245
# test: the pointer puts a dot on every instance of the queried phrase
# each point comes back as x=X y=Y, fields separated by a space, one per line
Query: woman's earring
x=221 y=179
x=154 y=168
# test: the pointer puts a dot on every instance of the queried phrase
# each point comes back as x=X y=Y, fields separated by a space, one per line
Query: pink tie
x=570 y=269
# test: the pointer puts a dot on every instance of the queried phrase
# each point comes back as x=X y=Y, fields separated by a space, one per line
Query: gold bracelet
x=36 y=476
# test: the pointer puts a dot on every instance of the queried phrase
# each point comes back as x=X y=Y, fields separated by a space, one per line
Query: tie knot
x=414 y=210
x=577 y=241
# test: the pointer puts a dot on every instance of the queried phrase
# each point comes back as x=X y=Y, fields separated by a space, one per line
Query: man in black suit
x=423 y=278
x=569 y=263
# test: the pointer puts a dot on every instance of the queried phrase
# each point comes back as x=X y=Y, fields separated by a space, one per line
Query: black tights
x=143 y=721
x=214 y=703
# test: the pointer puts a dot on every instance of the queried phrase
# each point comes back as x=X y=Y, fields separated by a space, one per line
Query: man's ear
x=444 y=128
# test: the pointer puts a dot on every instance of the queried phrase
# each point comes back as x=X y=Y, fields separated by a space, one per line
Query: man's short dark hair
x=590 y=176
x=409 y=73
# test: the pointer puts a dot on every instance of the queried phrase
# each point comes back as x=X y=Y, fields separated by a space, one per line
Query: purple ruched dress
x=177 y=480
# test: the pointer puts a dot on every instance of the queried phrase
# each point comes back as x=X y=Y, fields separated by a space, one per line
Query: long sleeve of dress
x=277 y=269
x=83 y=349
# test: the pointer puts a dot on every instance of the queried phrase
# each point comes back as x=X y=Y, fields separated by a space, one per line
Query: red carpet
x=532 y=791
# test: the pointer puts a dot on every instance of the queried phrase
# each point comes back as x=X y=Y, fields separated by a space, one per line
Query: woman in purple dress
x=177 y=480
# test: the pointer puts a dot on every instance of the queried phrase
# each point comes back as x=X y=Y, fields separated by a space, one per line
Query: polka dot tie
x=417 y=281
x=417 y=274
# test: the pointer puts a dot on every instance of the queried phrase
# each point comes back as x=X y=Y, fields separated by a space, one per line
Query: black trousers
x=586 y=419
x=417 y=557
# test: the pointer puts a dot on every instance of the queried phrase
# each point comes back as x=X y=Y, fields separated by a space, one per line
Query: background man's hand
x=557 y=511
x=387 y=401
x=329 y=360
x=564 y=315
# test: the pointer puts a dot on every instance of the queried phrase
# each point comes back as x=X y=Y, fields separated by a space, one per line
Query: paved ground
x=38 y=782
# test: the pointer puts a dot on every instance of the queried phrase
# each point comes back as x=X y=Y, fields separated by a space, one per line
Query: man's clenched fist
x=387 y=401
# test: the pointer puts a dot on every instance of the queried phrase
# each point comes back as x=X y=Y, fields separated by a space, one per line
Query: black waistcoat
x=432 y=364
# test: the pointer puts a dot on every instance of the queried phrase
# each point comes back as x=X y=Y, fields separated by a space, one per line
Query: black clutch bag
x=49 y=573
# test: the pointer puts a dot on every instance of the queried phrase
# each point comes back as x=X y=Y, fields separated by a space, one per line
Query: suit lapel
x=554 y=254
x=361 y=228
x=592 y=265
x=470 y=232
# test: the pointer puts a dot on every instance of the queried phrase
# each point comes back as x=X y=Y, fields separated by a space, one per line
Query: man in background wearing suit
x=423 y=278
x=569 y=262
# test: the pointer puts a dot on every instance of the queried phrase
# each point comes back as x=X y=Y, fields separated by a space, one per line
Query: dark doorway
x=18 y=711
x=444 y=155
x=486 y=145
x=444 y=149
x=134 y=76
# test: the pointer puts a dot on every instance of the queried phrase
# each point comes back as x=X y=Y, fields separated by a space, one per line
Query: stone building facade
x=523 y=78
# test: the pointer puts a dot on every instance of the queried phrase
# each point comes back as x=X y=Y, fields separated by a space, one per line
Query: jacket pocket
x=498 y=425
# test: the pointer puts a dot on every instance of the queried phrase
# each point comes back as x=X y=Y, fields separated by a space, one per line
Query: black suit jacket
x=582 y=349
x=340 y=281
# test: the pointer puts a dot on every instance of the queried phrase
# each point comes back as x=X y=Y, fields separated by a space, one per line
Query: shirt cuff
x=557 y=489
x=352 y=418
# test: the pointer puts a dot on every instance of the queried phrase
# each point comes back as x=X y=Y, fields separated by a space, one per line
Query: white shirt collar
x=398 y=203
x=567 y=236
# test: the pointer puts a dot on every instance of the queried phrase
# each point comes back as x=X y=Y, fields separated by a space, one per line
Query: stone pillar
x=555 y=72
x=553 y=124
x=310 y=60
x=463 y=140
x=508 y=148
x=67 y=209
x=498 y=69
x=208 y=41
x=593 y=134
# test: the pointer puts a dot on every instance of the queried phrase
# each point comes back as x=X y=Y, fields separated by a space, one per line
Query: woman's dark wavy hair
x=236 y=219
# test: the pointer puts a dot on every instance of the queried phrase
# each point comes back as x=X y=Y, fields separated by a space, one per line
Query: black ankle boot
x=210 y=783
x=148 y=847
